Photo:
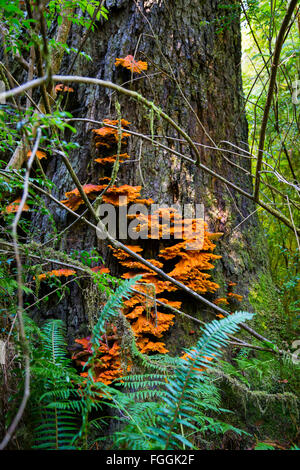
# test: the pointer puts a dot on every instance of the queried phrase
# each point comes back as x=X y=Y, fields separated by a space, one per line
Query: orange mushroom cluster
x=230 y=297
x=187 y=264
x=147 y=323
x=108 y=136
x=107 y=363
x=115 y=195
x=39 y=153
x=70 y=272
x=112 y=158
x=186 y=255
x=237 y=297
x=74 y=199
x=60 y=87
x=106 y=140
x=56 y=273
x=14 y=206
x=180 y=262
x=131 y=64
x=221 y=300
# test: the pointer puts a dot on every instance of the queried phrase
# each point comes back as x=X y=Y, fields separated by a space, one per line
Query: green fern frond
x=180 y=408
x=55 y=416
x=112 y=307
x=53 y=334
x=137 y=419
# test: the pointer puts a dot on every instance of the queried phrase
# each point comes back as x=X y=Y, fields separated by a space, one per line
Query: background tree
x=194 y=75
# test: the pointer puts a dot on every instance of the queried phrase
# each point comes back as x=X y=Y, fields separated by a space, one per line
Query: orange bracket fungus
x=14 y=206
x=71 y=272
x=230 y=297
x=39 y=153
x=57 y=273
x=173 y=255
x=108 y=136
x=186 y=265
x=112 y=196
x=131 y=64
x=74 y=199
x=60 y=87
x=107 y=365
x=237 y=297
x=221 y=300
x=112 y=159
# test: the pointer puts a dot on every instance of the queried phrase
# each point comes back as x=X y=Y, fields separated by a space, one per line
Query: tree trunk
x=193 y=49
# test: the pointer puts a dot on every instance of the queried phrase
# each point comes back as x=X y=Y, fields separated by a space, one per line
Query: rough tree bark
x=195 y=76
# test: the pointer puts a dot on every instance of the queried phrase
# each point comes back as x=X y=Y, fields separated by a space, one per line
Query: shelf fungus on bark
x=111 y=159
x=106 y=365
x=39 y=153
x=230 y=299
x=70 y=272
x=60 y=87
x=185 y=265
x=173 y=255
x=107 y=137
x=131 y=64
x=237 y=297
x=74 y=199
x=14 y=206
x=112 y=196
x=221 y=300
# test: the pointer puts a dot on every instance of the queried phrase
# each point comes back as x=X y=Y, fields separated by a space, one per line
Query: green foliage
x=110 y=311
x=264 y=372
x=140 y=415
x=264 y=446
x=138 y=418
x=90 y=7
x=146 y=386
x=95 y=395
x=189 y=381
x=180 y=403
x=156 y=410
x=60 y=401
x=261 y=23
x=22 y=29
x=229 y=12
x=55 y=424
x=8 y=290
